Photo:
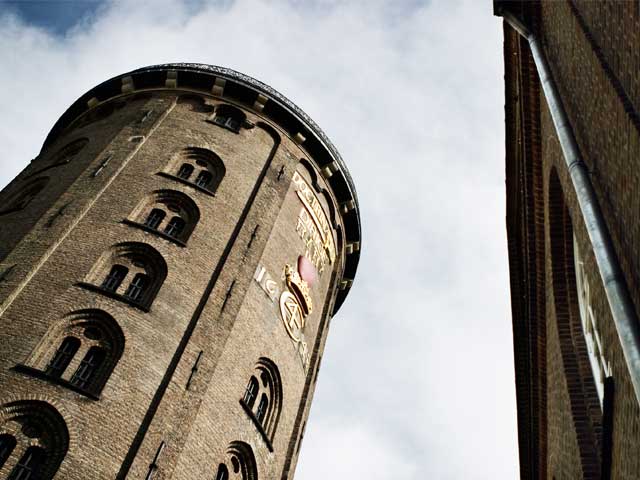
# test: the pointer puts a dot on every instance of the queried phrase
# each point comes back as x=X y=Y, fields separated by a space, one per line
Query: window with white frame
x=599 y=365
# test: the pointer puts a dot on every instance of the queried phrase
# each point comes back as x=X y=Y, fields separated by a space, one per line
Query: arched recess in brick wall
x=35 y=440
x=61 y=157
x=20 y=199
x=82 y=350
x=229 y=117
x=169 y=213
x=197 y=167
x=132 y=272
x=100 y=112
x=241 y=462
x=585 y=406
x=263 y=397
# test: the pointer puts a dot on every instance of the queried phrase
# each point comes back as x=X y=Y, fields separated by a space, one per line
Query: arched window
x=22 y=198
x=167 y=213
x=90 y=346
x=154 y=218
x=30 y=465
x=229 y=117
x=204 y=178
x=198 y=167
x=243 y=463
x=63 y=357
x=34 y=441
x=89 y=367
x=263 y=397
x=185 y=172
x=263 y=407
x=251 y=392
x=114 y=278
x=7 y=444
x=132 y=272
x=138 y=287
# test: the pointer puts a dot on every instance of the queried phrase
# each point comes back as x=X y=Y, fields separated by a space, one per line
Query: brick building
x=169 y=267
x=573 y=202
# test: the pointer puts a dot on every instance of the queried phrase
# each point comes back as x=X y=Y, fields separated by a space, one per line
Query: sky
x=417 y=377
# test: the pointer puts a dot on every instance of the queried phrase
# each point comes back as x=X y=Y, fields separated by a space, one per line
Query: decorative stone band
x=251 y=94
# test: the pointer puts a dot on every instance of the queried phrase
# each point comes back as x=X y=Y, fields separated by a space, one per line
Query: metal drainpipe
x=622 y=308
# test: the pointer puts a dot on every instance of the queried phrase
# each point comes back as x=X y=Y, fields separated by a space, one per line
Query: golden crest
x=292 y=315
x=300 y=288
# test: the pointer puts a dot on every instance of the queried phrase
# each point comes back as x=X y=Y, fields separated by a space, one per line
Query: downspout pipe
x=622 y=308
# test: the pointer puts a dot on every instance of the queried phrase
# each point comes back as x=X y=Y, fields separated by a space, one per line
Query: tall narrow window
x=204 y=179
x=251 y=392
x=263 y=406
x=7 y=444
x=154 y=218
x=175 y=227
x=63 y=357
x=115 y=278
x=88 y=368
x=185 y=171
x=29 y=465
x=137 y=287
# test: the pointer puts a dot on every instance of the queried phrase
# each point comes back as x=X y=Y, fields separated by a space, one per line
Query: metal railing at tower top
x=622 y=308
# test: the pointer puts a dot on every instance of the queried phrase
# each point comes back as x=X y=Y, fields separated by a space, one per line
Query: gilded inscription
x=313 y=226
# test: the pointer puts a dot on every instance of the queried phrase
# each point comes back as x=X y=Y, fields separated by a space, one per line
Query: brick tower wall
x=173 y=403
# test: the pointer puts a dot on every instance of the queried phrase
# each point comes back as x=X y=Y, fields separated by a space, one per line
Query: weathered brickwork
x=173 y=403
x=592 y=49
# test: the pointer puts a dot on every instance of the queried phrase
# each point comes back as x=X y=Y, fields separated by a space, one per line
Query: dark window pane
x=29 y=465
x=262 y=408
x=7 y=444
x=185 y=171
x=175 y=227
x=63 y=357
x=138 y=287
x=223 y=472
x=204 y=179
x=88 y=368
x=154 y=218
x=232 y=124
x=115 y=278
x=251 y=392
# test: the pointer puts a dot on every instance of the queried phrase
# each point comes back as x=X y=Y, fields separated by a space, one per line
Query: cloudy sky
x=417 y=379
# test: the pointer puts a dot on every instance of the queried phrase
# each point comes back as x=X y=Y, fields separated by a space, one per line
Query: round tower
x=169 y=266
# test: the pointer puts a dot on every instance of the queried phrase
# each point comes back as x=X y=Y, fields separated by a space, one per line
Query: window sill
x=257 y=424
x=154 y=231
x=34 y=372
x=115 y=296
x=187 y=182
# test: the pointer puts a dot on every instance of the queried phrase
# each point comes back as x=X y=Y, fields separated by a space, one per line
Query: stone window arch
x=63 y=156
x=24 y=196
x=583 y=395
x=80 y=352
x=229 y=117
x=131 y=272
x=239 y=463
x=262 y=399
x=197 y=167
x=38 y=437
x=167 y=213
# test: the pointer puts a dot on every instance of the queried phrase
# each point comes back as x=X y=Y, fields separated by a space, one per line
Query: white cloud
x=417 y=377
